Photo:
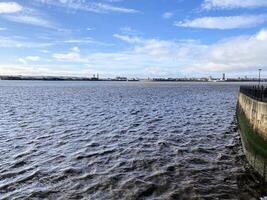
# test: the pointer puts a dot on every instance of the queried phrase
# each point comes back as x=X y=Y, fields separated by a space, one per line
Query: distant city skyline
x=133 y=38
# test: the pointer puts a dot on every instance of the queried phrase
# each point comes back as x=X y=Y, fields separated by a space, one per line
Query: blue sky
x=134 y=38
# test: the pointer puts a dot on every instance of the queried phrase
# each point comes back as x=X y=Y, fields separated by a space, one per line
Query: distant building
x=223 y=78
x=133 y=79
x=95 y=77
x=119 y=78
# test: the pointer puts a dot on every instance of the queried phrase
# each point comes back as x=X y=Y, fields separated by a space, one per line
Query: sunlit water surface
x=119 y=140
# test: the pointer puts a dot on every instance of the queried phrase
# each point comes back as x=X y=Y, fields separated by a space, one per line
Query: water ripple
x=86 y=140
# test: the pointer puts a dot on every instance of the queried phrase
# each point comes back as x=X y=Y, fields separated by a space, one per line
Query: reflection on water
x=80 y=140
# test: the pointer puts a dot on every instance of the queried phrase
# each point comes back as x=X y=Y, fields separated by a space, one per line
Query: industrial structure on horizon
x=96 y=77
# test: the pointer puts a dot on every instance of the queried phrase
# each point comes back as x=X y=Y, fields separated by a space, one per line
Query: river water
x=119 y=140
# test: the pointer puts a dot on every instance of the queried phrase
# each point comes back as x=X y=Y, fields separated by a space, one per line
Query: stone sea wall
x=252 y=118
x=256 y=113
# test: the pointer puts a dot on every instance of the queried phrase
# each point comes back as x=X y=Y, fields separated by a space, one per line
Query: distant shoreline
x=124 y=79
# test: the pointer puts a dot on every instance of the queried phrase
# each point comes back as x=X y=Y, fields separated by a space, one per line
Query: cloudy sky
x=134 y=38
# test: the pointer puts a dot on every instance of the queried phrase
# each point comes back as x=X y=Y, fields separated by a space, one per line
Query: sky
x=133 y=38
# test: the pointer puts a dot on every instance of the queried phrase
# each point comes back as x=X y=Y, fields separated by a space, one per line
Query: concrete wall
x=258 y=162
x=252 y=116
x=256 y=113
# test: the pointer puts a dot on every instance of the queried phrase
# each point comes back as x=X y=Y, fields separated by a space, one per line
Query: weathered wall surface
x=256 y=113
x=257 y=163
x=252 y=117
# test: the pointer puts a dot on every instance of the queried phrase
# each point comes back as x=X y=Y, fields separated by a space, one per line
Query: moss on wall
x=253 y=141
x=255 y=148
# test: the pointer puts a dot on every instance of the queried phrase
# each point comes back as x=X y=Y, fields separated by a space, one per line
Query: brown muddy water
x=110 y=140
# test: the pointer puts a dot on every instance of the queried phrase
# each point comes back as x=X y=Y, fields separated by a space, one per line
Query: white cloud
x=8 y=42
x=76 y=49
x=167 y=15
x=14 y=12
x=14 y=42
x=262 y=35
x=27 y=59
x=148 y=57
x=154 y=57
x=33 y=58
x=81 y=40
x=96 y=7
x=44 y=51
x=234 y=55
x=230 y=4
x=22 y=60
x=144 y=57
x=85 y=41
x=129 y=30
x=105 y=8
x=10 y=7
x=45 y=70
x=30 y=19
x=157 y=48
x=73 y=56
x=229 y=22
x=159 y=52
x=128 y=39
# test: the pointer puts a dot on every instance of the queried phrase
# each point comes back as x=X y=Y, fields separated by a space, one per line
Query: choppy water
x=92 y=140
